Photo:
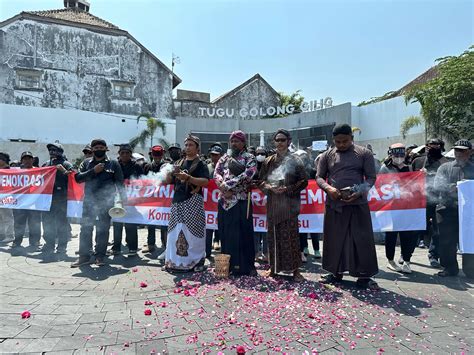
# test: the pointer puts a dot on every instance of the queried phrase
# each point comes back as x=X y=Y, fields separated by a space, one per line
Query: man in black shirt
x=22 y=217
x=157 y=153
x=429 y=164
x=55 y=223
x=445 y=182
x=103 y=178
x=130 y=170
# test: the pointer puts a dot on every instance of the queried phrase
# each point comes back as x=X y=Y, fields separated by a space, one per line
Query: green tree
x=447 y=101
x=295 y=99
x=152 y=124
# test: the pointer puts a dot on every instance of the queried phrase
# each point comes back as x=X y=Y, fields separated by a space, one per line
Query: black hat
x=217 y=144
x=26 y=154
x=55 y=146
x=5 y=157
x=435 y=141
x=216 y=149
x=174 y=145
x=87 y=148
x=126 y=146
x=98 y=141
x=462 y=144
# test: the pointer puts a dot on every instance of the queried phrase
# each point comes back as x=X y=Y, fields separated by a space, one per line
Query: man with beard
x=55 y=223
x=445 y=182
x=348 y=235
x=157 y=153
x=130 y=170
x=103 y=178
x=30 y=217
x=233 y=175
x=282 y=178
x=430 y=163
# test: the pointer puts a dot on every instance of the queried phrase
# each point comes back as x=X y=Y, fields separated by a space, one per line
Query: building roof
x=256 y=77
x=421 y=79
x=84 y=19
x=74 y=15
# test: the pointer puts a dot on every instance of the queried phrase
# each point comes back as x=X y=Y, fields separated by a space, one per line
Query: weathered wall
x=73 y=129
x=256 y=94
x=78 y=67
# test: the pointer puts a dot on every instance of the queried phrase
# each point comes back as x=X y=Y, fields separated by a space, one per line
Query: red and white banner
x=27 y=189
x=397 y=203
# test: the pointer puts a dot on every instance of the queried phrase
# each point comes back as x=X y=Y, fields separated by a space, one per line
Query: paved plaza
x=132 y=306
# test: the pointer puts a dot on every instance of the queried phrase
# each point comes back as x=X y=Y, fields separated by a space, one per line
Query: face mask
x=99 y=153
x=175 y=154
x=460 y=159
x=435 y=152
x=398 y=161
x=260 y=158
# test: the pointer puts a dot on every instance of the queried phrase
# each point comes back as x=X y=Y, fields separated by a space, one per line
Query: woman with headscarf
x=233 y=176
x=282 y=178
x=186 y=245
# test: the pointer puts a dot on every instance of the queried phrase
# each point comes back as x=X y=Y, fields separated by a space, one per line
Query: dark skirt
x=349 y=241
x=284 y=245
x=236 y=234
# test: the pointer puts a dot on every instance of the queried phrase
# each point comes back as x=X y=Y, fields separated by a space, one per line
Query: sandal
x=297 y=277
x=367 y=284
x=330 y=279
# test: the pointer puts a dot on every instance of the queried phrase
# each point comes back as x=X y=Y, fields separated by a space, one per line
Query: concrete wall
x=78 y=68
x=380 y=124
x=73 y=129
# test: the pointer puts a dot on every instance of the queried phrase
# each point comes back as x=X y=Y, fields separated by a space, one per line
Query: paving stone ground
x=102 y=310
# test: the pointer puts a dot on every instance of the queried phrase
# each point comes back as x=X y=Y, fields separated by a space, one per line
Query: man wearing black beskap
x=103 y=178
x=55 y=223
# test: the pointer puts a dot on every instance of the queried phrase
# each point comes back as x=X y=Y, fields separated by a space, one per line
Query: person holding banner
x=346 y=173
x=408 y=239
x=55 y=223
x=215 y=153
x=103 y=179
x=22 y=217
x=130 y=170
x=233 y=176
x=6 y=215
x=186 y=246
x=445 y=183
x=283 y=177
x=157 y=153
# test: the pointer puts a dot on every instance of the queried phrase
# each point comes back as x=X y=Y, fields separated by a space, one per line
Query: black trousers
x=448 y=239
x=209 y=234
x=431 y=235
x=131 y=236
x=151 y=239
x=408 y=240
x=95 y=213
x=314 y=240
x=56 y=226
x=21 y=218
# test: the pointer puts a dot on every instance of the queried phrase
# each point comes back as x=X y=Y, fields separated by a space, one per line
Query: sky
x=348 y=50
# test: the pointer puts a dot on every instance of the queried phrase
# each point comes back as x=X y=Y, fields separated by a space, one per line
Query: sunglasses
x=280 y=140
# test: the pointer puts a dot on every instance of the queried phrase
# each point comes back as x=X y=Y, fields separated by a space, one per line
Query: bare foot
x=268 y=273
x=297 y=277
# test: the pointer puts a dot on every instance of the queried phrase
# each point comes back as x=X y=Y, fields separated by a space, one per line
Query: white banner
x=466 y=216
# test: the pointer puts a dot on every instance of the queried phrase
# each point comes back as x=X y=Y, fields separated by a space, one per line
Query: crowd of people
x=345 y=171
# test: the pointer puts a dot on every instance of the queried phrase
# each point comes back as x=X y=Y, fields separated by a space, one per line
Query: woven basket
x=222 y=262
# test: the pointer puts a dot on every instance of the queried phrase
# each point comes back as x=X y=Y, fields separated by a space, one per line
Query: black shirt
x=131 y=169
x=104 y=185
x=182 y=190
x=61 y=181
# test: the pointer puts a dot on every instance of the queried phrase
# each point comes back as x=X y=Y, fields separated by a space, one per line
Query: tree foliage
x=447 y=101
x=152 y=125
x=409 y=123
x=295 y=99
